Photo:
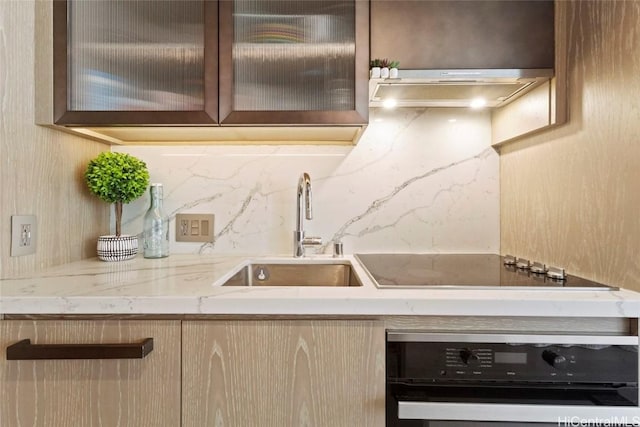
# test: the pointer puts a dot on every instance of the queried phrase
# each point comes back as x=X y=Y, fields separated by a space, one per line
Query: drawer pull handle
x=24 y=350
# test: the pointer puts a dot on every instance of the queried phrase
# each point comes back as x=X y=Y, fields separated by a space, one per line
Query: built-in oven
x=465 y=380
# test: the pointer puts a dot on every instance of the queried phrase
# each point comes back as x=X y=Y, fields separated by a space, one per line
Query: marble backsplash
x=419 y=180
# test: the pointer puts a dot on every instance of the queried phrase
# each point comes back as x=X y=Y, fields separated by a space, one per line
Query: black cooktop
x=461 y=271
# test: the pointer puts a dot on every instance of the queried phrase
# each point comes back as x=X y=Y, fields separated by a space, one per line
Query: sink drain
x=261 y=273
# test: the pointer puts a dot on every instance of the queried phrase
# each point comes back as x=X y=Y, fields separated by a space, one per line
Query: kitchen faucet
x=299 y=241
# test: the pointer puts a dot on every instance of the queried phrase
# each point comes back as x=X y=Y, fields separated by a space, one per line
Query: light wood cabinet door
x=91 y=393
x=281 y=373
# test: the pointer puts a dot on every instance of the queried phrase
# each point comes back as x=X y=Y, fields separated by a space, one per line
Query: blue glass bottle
x=156 y=226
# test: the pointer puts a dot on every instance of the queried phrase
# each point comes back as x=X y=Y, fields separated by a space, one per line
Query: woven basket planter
x=114 y=248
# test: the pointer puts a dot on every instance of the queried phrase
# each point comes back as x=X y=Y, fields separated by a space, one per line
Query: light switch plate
x=24 y=233
x=194 y=228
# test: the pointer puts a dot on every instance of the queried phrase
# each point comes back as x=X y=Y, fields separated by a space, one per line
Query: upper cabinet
x=141 y=62
x=135 y=62
x=294 y=62
x=454 y=34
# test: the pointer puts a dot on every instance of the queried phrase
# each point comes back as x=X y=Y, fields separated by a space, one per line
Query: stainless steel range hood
x=455 y=88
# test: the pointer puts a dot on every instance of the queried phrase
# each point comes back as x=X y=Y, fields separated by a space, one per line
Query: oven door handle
x=453 y=411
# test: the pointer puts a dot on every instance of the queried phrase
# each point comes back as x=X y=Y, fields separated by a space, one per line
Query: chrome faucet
x=299 y=240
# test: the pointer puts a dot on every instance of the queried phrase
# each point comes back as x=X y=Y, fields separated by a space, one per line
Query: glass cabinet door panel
x=293 y=56
x=135 y=62
x=135 y=55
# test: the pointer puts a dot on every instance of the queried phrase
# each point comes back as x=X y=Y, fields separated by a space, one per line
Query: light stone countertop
x=190 y=284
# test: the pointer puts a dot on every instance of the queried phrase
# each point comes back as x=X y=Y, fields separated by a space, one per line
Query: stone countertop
x=191 y=284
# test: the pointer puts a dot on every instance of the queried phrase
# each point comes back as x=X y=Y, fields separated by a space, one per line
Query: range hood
x=455 y=88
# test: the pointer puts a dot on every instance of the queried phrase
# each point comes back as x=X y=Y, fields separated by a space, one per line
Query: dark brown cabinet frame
x=360 y=115
x=62 y=116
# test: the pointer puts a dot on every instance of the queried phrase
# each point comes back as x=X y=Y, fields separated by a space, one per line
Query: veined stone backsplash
x=419 y=180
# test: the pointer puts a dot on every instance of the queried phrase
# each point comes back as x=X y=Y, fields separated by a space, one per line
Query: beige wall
x=40 y=169
x=571 y=197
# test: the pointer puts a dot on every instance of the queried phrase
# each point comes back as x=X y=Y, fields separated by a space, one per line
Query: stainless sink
x=295 y=274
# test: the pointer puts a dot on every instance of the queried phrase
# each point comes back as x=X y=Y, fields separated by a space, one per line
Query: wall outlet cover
x=194 y=228
x=24 y=233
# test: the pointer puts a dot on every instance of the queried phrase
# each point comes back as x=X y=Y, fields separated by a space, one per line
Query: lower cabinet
x=283 y=373
x=233 y=373
x=90 y=392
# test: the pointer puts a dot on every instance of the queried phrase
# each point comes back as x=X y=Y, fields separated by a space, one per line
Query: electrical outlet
x=24 y=233
x=194 y=228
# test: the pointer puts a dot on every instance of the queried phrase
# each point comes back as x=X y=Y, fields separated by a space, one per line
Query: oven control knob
x=468 y=356
x=554 y=359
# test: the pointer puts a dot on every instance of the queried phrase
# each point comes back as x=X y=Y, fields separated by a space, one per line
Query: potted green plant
x=384 y=68
x=117 y=178
x=374 y=66
x=393 y=69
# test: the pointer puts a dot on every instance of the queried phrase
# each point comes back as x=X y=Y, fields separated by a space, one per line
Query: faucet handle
x=312 y=241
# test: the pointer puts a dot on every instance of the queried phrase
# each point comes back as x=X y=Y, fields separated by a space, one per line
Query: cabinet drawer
x=95 y=391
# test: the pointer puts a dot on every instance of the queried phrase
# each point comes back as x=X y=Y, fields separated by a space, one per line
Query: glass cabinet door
x=135 y=61
x=293 y=62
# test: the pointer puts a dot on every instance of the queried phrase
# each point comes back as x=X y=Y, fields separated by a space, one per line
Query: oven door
x=450 y=379
x=411 y=405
